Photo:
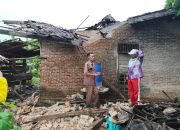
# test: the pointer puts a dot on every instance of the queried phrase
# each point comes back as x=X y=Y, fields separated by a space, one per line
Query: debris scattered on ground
x=75 y=116
x=101 y=90
x=22 y=92
x=77 y=97
x=59 y=117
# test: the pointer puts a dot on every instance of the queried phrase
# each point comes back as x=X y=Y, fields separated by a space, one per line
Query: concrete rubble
x=101 y=89
x=75 y=116
x=76 y=97
x=27 y=111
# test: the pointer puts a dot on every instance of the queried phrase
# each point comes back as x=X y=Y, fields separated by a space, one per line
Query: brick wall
x=160 y=41
x=62 y=71
x=105 y=50
x=105 y=53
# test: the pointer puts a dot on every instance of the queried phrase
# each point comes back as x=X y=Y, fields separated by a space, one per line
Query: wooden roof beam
x=20 y=34
x=12 y=22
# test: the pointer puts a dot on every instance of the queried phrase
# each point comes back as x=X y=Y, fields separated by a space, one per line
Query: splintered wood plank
x=67 y=114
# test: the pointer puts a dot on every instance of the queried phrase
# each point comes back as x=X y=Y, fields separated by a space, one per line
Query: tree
x=173 y=4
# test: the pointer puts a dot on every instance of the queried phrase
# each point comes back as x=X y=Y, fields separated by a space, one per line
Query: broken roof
x=15 y=49
x=106 y=21
x=151 y=16
x=39 y=30
x=105 y=25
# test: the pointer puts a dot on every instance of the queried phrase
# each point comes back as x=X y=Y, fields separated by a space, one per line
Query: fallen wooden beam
x=166 y=102
x=167 y=95
x=20 y=34
x=3 y=31
x=67 y=114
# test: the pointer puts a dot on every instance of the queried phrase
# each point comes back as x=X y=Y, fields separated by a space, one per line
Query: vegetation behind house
x=173 y=4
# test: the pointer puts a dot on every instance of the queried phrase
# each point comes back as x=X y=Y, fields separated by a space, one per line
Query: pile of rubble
x=29 y=122
x=60 y=116
x=75 y=116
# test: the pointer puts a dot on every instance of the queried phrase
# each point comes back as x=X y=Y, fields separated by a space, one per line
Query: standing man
x=134 y=75
x=92 y=97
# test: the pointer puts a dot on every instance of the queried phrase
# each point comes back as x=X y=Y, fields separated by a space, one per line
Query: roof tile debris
x=40 y=30
x=104 y=26
x=106 y=21
x=72 y=114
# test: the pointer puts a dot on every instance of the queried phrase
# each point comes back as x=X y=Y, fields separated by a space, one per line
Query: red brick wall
x=106 y=54
x=105 y=51
x=62 y=71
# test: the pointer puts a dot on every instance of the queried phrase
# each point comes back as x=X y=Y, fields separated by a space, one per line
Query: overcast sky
x=70 y=13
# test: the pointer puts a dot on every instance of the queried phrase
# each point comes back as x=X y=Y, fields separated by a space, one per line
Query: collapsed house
x=60 y=62
x=62 y=52
x=62 y=59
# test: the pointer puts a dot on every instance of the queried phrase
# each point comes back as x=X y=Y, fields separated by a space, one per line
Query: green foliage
x=36 y=81
x=13 y=37
x=173 y=4
x=34 y=44
x=7 y=118
x=8 y=105
x=34 y=63
x=6 y=121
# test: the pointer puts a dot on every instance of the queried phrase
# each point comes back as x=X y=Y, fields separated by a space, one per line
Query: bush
x=36 y=81
x=7 y=118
